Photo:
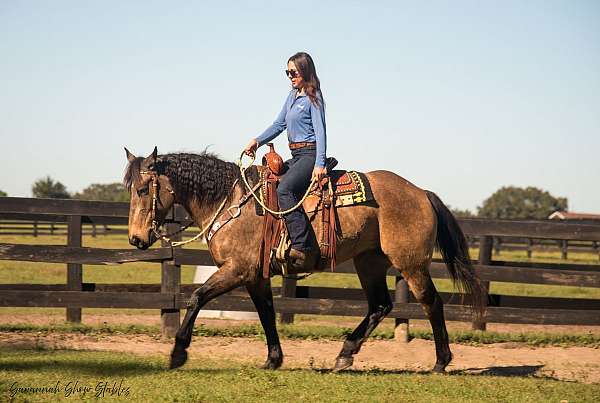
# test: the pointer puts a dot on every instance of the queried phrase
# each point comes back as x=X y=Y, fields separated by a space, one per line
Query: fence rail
x=99 y=226
x=170 y=295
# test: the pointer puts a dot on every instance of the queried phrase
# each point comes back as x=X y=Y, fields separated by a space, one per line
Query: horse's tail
x=452 y=244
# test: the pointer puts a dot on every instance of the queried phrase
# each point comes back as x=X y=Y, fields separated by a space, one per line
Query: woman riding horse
x=303 y=114
x=400 y=230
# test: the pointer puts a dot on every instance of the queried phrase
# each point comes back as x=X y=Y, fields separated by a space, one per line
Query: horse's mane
x=203 y=176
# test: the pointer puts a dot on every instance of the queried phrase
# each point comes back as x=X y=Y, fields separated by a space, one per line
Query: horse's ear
x=130 y=156
x=154 y=154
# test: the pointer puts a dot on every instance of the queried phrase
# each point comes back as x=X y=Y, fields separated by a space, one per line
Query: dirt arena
x=581 y=364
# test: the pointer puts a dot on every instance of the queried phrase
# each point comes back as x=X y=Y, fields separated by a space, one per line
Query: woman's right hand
x=250 y=149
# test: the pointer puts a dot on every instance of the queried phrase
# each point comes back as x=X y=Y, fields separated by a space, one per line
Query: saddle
x=338 y=188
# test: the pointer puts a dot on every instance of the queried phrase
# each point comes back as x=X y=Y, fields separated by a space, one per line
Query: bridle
x=154 y=179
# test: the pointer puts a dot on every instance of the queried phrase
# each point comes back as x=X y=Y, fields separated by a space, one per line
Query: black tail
x=453 y=246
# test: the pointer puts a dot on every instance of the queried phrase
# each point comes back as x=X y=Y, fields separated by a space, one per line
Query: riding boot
x=303 y=260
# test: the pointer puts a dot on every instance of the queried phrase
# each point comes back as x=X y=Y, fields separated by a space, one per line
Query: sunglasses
x=292 y=73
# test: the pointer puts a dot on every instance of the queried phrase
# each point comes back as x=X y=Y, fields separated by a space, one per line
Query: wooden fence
x=291 y=298
x=102 y=226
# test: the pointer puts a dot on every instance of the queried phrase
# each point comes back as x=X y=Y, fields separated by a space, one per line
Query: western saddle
x=275 y=241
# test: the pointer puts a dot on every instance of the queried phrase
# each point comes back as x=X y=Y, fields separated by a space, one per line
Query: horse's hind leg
x=424 y=291
x=261 y=295
x=226 y=279
x=371 y=268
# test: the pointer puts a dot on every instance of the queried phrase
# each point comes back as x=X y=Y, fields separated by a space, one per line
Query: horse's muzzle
x=138 y=243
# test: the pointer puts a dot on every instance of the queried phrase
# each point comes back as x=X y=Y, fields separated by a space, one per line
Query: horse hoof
x=341 y=363
x=272 y=364
x=439 y=368
x=442 y=363
x=178 y=358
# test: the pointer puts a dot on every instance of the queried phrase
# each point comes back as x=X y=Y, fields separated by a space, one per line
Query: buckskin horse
x=401 y=229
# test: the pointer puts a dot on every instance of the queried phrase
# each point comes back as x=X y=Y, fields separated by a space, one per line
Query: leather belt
x=302 y=144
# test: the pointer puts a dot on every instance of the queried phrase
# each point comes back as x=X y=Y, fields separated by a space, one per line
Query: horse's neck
x=204 y=213
x=239 y=242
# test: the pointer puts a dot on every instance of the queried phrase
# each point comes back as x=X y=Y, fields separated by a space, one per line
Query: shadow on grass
x=508 y=371
x=80 y=362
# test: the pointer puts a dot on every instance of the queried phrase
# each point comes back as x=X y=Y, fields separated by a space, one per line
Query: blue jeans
x=290 y=190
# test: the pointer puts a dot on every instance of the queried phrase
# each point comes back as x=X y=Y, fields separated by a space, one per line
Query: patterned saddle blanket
x=350 y=187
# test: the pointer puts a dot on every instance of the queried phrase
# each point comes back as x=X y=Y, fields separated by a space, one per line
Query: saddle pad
x=350 y=187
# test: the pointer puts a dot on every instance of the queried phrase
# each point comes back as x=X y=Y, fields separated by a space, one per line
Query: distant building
x=578 y=217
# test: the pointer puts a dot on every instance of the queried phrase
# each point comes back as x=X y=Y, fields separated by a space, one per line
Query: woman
x=303 y=115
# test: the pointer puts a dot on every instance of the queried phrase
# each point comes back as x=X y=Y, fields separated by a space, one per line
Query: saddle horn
x=273 y=161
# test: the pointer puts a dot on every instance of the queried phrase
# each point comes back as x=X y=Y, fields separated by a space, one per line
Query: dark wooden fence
x=105 y=226
x=170 y=295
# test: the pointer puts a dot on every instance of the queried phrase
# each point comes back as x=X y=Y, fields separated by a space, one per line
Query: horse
x=401 y=230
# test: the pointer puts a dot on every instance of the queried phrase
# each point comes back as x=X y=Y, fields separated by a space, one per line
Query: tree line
x=48 y=188
x=508 y=202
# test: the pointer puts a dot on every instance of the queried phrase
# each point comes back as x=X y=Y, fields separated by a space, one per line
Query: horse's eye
x=142 y=191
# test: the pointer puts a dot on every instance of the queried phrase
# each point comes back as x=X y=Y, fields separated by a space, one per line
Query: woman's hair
x=306 y=67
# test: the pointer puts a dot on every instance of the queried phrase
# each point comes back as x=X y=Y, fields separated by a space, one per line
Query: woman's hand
x=318 y=173
x=250 y=149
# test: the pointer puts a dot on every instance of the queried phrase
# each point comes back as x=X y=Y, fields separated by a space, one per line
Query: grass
x=318 y=332
x=146 y=379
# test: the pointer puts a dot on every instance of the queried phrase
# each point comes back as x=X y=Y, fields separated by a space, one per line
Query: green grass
x=146 y=379
x=318 y=332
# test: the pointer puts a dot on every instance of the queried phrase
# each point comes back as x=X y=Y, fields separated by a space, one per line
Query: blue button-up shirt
x=303 y=120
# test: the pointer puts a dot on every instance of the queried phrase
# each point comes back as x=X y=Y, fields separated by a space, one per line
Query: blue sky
x=459 y=97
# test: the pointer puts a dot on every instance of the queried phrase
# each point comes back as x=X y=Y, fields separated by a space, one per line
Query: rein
x=278 y=213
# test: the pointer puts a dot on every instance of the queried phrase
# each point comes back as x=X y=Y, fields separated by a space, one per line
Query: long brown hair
x=306 y=67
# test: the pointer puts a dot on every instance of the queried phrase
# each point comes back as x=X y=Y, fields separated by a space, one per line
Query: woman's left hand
x=318 y=173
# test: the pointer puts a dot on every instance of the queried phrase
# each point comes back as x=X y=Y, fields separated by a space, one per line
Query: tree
x=106 y=192
x=3 y=194
x=512 y=202
x=49 y=189
x=459 y=213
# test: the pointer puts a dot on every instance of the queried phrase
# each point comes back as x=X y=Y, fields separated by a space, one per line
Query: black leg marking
x=219 y=283
x=261 y=295
x=371 y=268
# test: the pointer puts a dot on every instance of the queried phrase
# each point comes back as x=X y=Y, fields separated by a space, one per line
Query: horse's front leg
x=228 y=277
x=261 y=295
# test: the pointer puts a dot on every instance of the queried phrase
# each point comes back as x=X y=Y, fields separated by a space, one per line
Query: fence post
x=35 y=228
x=529 y=247
x=288 y=290
x=401 y=297
x=51 y=228
x=93 y=230
x=74 y=270
x=485 y=257
x=564 y=247
x=170 y=283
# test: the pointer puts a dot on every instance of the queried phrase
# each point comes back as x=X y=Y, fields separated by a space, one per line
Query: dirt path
x=581 y=364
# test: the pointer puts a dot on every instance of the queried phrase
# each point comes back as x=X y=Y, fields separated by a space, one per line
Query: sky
x=458 y=97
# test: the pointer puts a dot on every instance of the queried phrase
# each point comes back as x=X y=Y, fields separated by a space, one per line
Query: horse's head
x=151 y=197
